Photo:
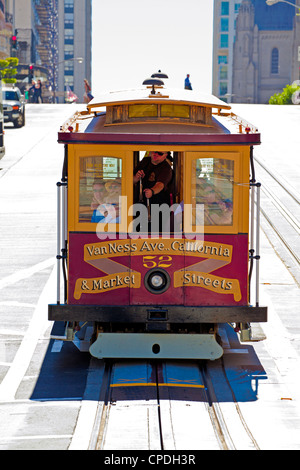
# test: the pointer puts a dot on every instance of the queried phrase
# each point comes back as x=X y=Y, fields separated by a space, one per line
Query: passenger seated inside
x=113 y=191
x=224 y=215
x=105 y=203
x=99 y=195
x=217 y=209
x=112 y=201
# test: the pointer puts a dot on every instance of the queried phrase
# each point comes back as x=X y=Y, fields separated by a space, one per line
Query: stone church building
x=266 y=51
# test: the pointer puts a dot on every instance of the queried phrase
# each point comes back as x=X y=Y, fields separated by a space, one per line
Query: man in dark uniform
x=155 y=174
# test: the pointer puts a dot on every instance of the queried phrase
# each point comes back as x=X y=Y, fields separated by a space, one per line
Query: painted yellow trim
x=76 y=152
x=142 y=384
x=240 y=154
x=240 y=188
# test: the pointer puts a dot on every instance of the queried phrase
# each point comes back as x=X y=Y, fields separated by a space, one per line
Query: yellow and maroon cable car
x=157 y=292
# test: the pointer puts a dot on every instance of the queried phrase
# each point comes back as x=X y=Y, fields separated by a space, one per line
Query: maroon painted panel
x=157 y=255
x=221 y=276
x=167 y=139
x=213 y=271
x=96 y=276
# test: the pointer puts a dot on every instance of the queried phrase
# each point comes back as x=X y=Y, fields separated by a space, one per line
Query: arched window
x=274 y=60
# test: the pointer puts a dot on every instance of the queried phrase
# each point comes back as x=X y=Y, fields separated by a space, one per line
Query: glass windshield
x=100 y=188
x=10 y=95
x=212 y=187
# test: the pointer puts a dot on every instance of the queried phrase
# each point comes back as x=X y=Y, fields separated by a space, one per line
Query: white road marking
x=25 y=273
x=38 y=325
x=38 y=437
x=89 y=407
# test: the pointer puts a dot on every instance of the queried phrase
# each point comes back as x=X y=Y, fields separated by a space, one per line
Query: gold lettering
x=145 y=246
x=84 y=285
x=90 y=249
x=112 y=247
x=106 y=283
x=208 y=281
x=97 y=284
x=180 y=247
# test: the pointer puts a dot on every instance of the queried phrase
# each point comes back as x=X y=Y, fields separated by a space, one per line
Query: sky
x=131 y=39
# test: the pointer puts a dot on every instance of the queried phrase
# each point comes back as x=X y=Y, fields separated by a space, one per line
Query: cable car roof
x=126 y=116
x=162 y=95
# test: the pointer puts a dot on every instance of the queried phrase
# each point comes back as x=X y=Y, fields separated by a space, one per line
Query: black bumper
x=167 y=313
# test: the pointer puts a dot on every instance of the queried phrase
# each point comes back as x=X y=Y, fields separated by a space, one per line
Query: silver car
x=13 y=106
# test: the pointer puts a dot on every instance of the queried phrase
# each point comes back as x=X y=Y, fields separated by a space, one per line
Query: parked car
x=13 y=106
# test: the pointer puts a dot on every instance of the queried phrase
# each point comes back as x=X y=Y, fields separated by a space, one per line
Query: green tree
x=285 y=97
x=8 y=69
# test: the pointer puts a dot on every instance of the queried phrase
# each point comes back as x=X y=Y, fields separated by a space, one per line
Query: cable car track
x=180 y=411
x=223 y=432
x=280 y=207
x=291 y=192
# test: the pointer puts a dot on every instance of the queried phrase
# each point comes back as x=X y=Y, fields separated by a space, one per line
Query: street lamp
x=273 y=2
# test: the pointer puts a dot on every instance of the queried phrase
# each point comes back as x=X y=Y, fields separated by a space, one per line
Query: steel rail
x=219 y=422
x=284 y=184
x=281 y=208
x=220 y=427
x=281 y=237
x=97 y=440
x=215 y=414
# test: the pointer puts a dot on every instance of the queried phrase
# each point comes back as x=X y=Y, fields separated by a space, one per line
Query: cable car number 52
x=157 y=261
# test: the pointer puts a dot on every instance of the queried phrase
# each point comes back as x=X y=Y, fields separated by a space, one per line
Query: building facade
x=51 y=34
x=36 y=27
x=6 y=29
x=263 y=54
x=75 y=45
x=225 y=14
x=265 y=51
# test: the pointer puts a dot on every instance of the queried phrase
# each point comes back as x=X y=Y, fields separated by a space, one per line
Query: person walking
x=38 y=92
x=88 y=91
x=187 y=83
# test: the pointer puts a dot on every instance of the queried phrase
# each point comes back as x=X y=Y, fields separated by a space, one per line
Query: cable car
x=156 y=280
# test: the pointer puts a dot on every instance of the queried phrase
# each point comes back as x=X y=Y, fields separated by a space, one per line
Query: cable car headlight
x=157 y=281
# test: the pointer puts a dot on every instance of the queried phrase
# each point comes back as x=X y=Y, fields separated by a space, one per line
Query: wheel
x=20 y=121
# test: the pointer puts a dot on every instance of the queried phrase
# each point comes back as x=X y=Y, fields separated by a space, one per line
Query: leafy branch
x=285 y=97
x=8 y=69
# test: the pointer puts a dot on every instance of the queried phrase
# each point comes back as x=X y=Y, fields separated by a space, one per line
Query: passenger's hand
x=148 y=193
x=140 y=174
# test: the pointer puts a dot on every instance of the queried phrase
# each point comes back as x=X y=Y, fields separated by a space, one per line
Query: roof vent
x=159 y=74
x=153 y=81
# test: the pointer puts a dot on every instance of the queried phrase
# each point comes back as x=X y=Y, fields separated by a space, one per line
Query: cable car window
x=100 y=188
x=212 y=186
x=142 y=110
x=171 y=110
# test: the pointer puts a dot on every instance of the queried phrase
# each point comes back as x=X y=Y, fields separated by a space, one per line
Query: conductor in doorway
x=154 y=174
